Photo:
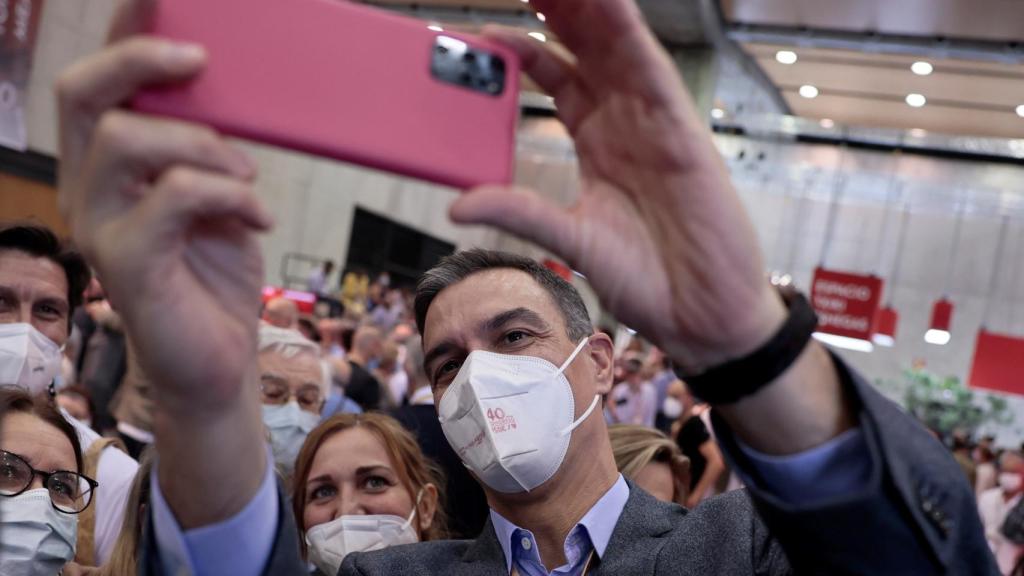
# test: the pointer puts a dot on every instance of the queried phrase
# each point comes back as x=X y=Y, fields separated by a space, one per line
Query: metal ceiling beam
x=1003 y=53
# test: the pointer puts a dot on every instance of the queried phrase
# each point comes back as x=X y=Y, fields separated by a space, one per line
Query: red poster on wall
x=997 y=363
x=846 y=304
x=19 y=21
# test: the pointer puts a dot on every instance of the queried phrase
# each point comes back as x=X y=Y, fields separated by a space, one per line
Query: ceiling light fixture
x=827 y=123
x=808 y=91
x=922 y=68
x=916 y=100
x=717 y=113
x=786 y=57
x=539 y=36
x=1020 y=110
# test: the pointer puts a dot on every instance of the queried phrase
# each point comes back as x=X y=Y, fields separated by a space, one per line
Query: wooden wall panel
x=22 y=199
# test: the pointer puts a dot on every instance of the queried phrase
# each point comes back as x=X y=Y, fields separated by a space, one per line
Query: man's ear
x=602 y=353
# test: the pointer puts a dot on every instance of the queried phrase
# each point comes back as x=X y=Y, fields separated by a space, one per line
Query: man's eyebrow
x=525 y=315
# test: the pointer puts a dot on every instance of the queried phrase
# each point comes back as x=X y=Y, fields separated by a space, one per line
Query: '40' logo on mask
x=500 y=422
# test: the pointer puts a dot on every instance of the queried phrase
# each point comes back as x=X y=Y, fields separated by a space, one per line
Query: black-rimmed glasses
x=70 y=492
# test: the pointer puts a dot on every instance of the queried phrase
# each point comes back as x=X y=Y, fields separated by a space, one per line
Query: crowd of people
x=159 y=418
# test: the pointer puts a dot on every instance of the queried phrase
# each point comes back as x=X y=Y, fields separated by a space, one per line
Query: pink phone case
x=338 y=79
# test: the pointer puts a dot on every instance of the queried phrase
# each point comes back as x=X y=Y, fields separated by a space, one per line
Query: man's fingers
x=593 y=28
x=184 y=197
x=128 y=143
x=521 y=212
x=113 y=75
x=551 y=71
x=132 y=17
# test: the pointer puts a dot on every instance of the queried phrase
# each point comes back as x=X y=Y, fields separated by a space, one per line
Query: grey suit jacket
x=916 y=516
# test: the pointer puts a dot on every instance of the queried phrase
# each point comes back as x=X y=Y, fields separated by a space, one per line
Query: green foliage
x=945 y=404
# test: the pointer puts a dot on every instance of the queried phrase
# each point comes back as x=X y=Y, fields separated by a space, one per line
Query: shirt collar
x=599 y=522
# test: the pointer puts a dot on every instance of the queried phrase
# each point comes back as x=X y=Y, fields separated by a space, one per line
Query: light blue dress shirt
x=592 y=533
x=242 y=545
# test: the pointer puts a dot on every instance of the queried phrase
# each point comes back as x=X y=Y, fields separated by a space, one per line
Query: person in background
x=102 y=355
x=75 y=401
x=662 y=378
x=651 y=460
x=695 y=442
x=336 y=373
x=317 y=282
x=363 y=357
x=962 y=455
x=282 y=313
x=307 y=327
x=355 y=289
x=390 y=372
x=986 y=472
x=465 y=502
x=42 y=283
x=292 y=388
x=633 y=400
x=362 y=483
x=995 y=503
x=42 y=488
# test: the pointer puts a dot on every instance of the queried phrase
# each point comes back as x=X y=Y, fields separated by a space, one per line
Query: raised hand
x=658 y=229
x=165 y=212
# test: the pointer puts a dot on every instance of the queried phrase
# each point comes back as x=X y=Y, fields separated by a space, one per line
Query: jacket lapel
x=484 y=556
x=636 y=539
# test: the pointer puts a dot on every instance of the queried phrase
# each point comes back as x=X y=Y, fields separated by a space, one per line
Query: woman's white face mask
x=37 y=540
x=329 y=543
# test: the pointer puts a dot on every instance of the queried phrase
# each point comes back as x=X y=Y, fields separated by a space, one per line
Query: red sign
x=997 y=362
x=846 y=304
x=304 y=300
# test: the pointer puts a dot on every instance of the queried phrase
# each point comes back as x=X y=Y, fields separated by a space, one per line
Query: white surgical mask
x=1009 y=481
x=510 y=418
x=37 y=539
x=671 y=408
x=289 y=425
x=27 y=358
x=329 y=543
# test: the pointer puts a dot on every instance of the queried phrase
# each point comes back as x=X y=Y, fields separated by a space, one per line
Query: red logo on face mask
x=500 y=422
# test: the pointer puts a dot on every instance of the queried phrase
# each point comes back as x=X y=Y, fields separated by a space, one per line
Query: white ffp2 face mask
x=37 y=539
x=28 y=359
x=288 y=425
x=510 y=418
x=329 y=543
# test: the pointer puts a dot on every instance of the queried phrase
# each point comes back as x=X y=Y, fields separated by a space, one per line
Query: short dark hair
x=41 y=242
x=14 y=399
x=455 y=268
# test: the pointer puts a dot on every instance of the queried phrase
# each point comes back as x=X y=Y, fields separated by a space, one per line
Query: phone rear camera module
x=455 y=62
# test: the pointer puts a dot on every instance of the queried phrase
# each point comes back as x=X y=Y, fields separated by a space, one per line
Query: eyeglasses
x=70 y=492
x=278 y=392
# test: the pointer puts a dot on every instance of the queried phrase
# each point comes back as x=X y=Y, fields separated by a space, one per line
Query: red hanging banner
x=997 y=363
x=846 y=304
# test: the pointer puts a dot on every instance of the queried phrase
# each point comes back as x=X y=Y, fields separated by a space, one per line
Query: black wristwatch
x=736 y=379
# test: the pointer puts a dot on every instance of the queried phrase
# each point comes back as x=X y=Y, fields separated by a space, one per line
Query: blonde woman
x=652 y=461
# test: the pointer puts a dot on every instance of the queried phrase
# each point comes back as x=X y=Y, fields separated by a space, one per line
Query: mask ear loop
x=568 y=429
x=415 y=508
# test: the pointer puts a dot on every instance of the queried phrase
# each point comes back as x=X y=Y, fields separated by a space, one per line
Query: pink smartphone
x=347 y=81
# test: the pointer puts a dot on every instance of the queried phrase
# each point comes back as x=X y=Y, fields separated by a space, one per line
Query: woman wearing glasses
x=41 y=488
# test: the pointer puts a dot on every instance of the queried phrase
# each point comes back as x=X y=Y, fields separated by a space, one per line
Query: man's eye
x=448 y=367
x=514 y=336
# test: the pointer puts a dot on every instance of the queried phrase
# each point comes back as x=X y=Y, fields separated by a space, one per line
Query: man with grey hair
x=292 y=389
x=843 y=481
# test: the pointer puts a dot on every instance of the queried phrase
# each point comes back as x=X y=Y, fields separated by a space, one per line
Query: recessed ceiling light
x=921 y=68
x=1020 y=110
x=717 y=113
x=539 y=36
x=916 y=100
x=918 y=133
x=827 y=123
x=808 y=91
x=786 y=57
